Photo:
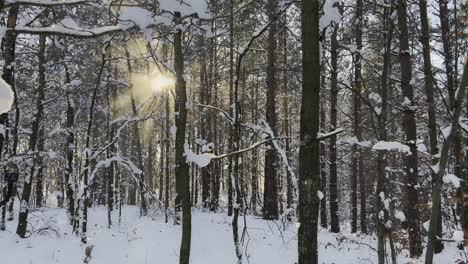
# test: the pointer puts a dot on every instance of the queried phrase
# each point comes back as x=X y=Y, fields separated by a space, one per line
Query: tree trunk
x=270 y=188
x=429 y=89
x=36 y=126
x=409 y=124
x=444 y=156
x=309 y=151
x=137 y=143
x=182 y=168
x=382 y=133
x=334 y=215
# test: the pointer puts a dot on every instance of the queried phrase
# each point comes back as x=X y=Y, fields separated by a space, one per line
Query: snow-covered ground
x=145 y=240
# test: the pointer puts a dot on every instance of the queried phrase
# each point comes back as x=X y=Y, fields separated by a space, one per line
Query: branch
x=45 y=3
x=256 y=145
x=321 y=136
x=58 y=30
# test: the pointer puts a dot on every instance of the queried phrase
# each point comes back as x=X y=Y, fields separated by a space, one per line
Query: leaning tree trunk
x=409 y=124
x=309 y=151
x=444 y=156
x=429 y=89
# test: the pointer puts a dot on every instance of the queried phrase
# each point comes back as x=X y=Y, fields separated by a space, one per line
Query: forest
x=233 y=131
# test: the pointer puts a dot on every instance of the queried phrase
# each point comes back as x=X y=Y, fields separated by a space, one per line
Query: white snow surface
x=149 y=240
x=391 y=145
x=452 y=178
x=6 y=97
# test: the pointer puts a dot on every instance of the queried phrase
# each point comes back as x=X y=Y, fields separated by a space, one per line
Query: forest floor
x=149 y=240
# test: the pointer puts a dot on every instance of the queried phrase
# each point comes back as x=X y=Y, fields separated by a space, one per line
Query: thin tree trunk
x=429 y=88
x=444 y=156
x=86 y=170
x=334 y=215
x=36 y=126
x=137 y=143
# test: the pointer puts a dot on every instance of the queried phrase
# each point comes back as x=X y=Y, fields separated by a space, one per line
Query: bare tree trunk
x=36 y=126
x=40 y=169
x=167 y=144
x=111 y=131
x=444 y=156
x=382 y=123
x=270 y=188
x=8 y=77
x=334 y=215
x=286 y=123
x=86 y=170
x=69 y=151
x=309 y=151
x=323 y=171
x=182 y=169
x=409 y=124
x=357 y=159
x=428 y=86
x=231 y=90
x=137 y=143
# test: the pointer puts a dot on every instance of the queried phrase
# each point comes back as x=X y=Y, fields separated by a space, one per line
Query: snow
x=452 y=178
x=149 y=240
x=320 y=195
x=201 y=160
x=446 y=131
x=6 y=97
x=458 y=236
x=331 y=13
x=141 y=17
x=186 y=8
x=391 y=145
x=400 y=216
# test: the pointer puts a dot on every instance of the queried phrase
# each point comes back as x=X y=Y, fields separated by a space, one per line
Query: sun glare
x=160 y=84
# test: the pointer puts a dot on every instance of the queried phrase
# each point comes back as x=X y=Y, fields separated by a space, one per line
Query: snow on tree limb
x=45 y=3
x=6 y=97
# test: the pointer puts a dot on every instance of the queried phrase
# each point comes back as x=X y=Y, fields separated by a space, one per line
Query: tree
x=309 y=151
x=409 y=124
x=270 y=194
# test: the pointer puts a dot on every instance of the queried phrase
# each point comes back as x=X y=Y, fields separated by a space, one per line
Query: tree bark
x=429 y=89
x=334 y=215
x=444 y=156
x=309 y=151
x=409 y=124
x=36 y=126
x=182 y=168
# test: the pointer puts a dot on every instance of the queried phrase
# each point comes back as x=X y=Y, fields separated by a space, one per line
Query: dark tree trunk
x=334 y=215
x=270 y=188
x=409 y=124
x=382 y=133
x=36 y=126
x=444 y=156
x=309 y=151
x=182 y=168
x=429 y=89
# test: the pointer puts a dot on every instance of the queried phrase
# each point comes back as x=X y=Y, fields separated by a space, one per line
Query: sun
x=160 y=84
